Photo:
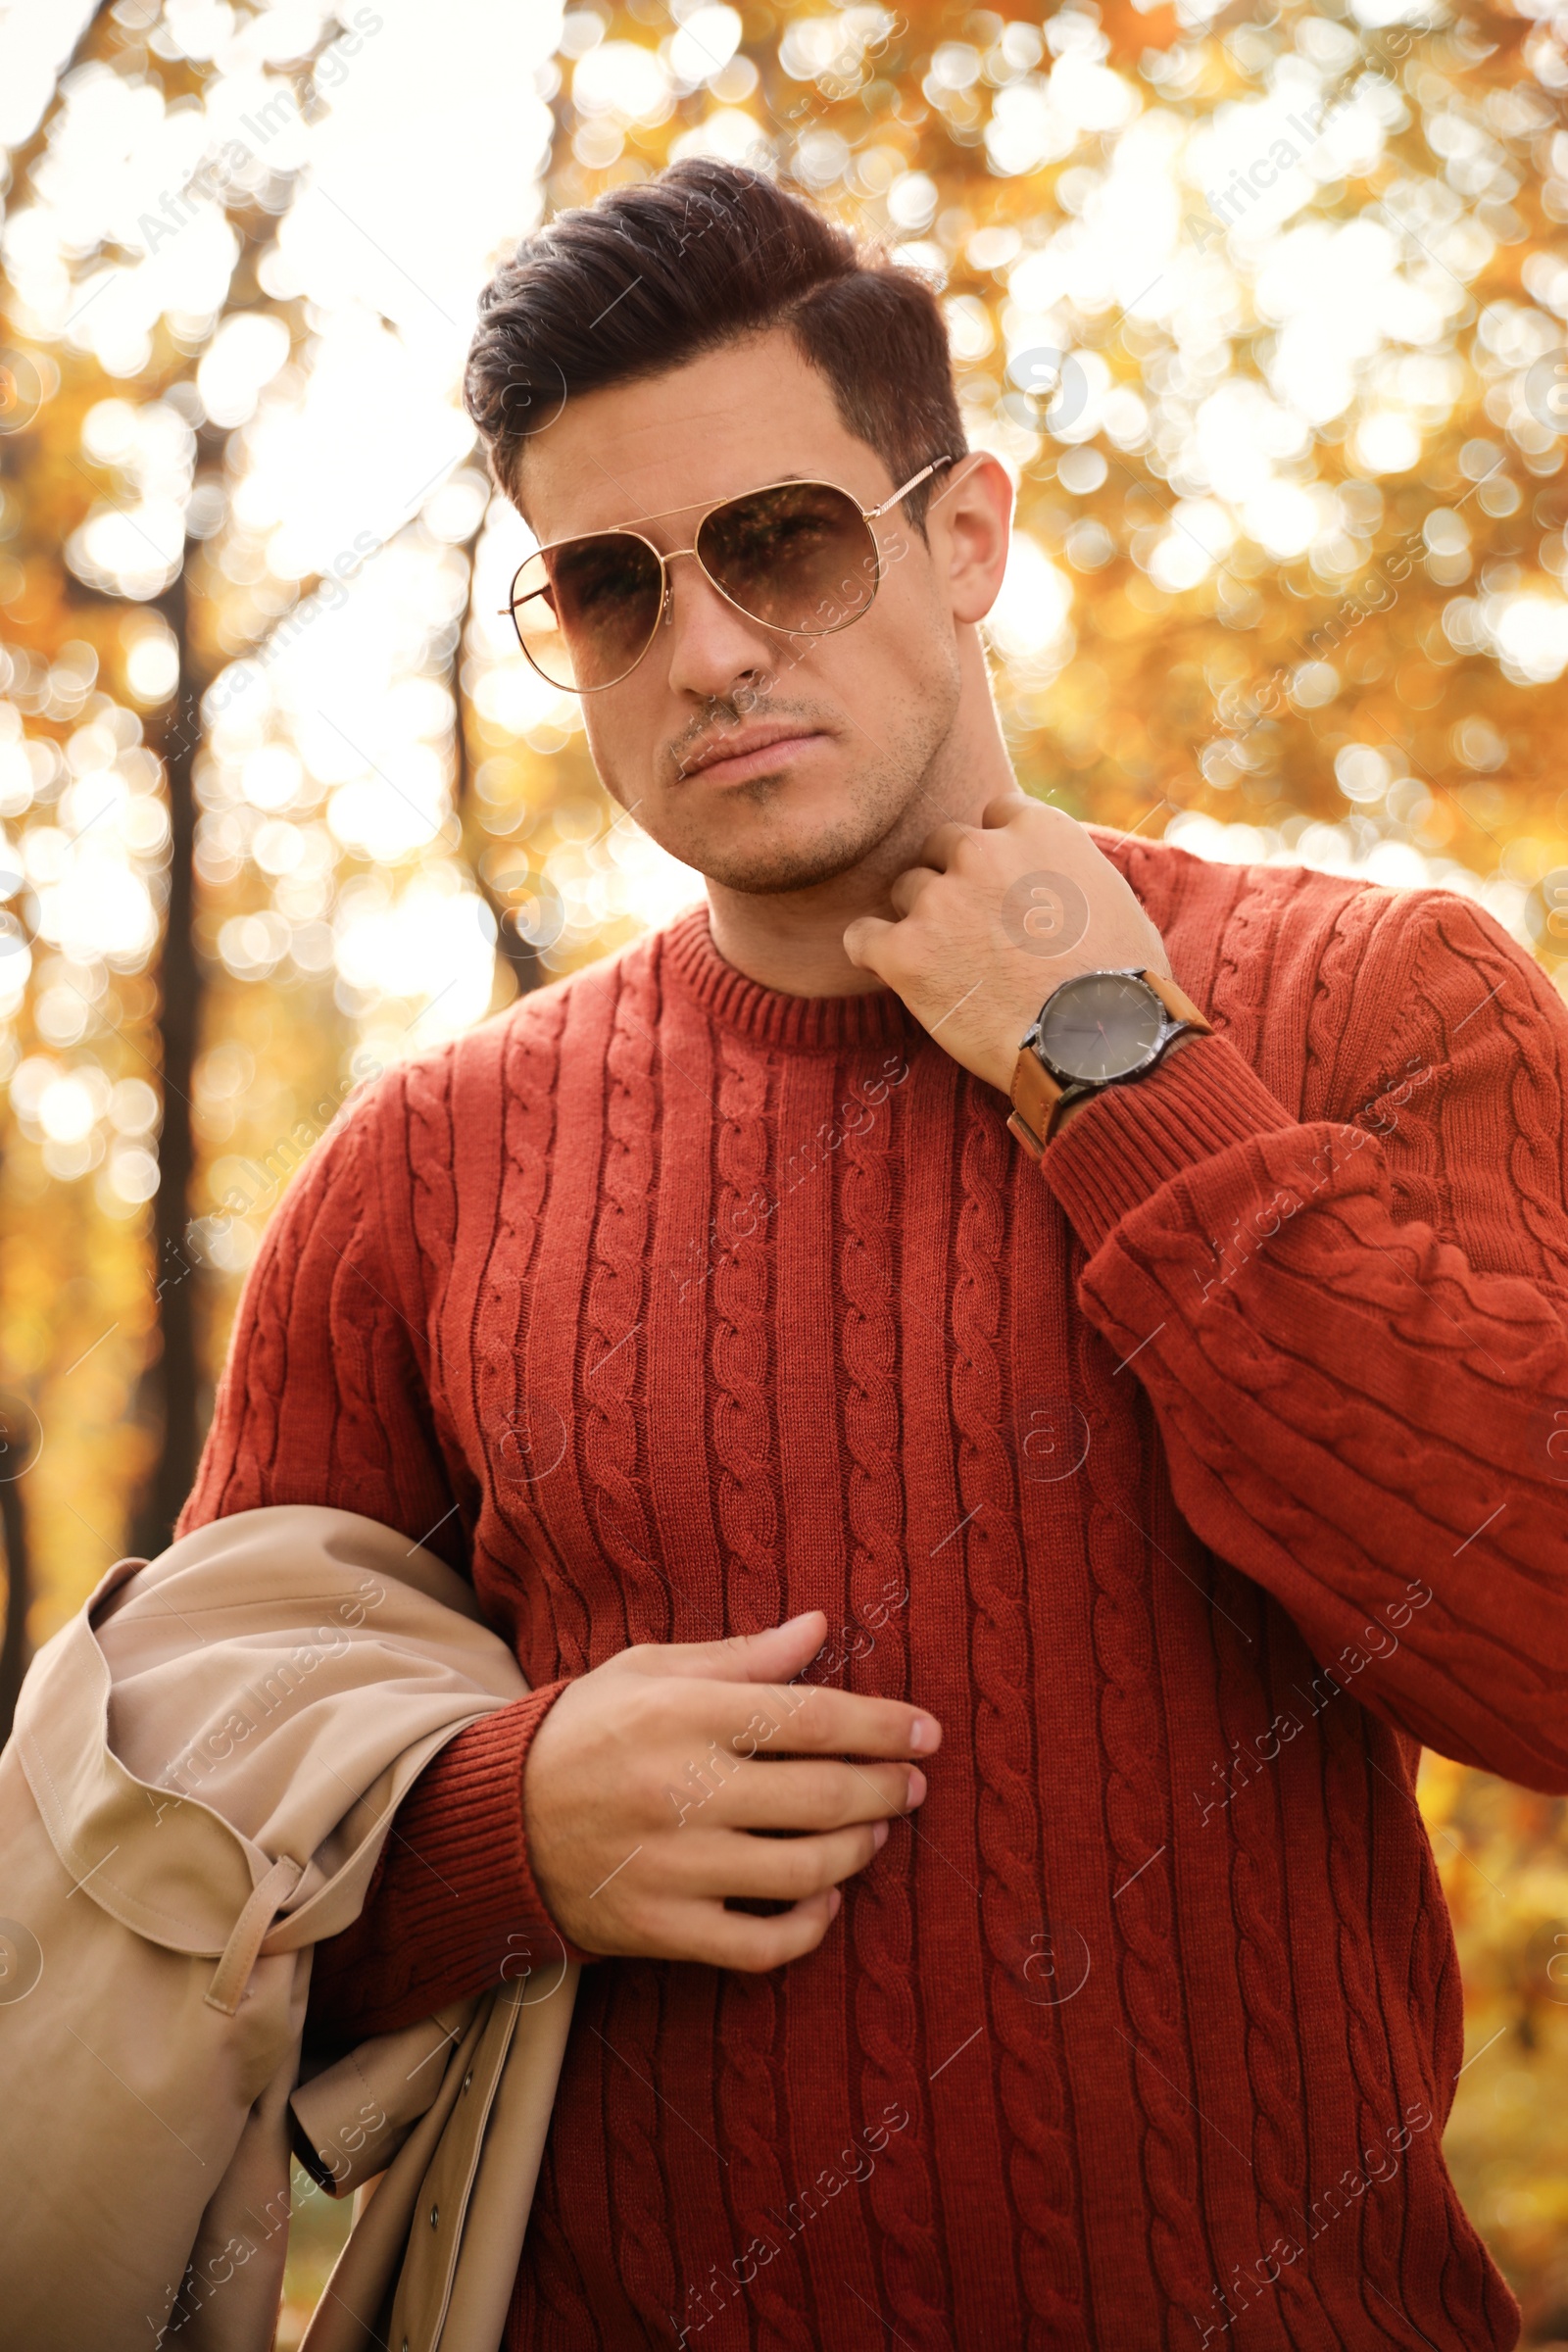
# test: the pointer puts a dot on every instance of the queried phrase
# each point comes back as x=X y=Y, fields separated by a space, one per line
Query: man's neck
x=794 y=940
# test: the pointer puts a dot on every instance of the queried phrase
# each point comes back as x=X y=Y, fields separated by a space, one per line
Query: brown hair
x=651 y=276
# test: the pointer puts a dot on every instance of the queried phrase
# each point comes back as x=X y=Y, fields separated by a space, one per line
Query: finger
x=807 y=1719
x=772 y=1655
x=865 y=940
x=721 y=1938
x=806 y=1794
x=909 y=887
x=718 y=1863
x=940 y=847
x=1007 y=805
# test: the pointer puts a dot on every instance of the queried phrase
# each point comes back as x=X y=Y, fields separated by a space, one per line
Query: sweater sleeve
x=1355 y=1332
x=324 y=1400
x=452 y=1906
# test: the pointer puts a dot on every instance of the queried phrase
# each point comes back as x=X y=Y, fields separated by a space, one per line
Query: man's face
x=767 y=762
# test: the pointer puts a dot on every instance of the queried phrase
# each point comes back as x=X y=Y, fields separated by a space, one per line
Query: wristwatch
x=1099 y=1029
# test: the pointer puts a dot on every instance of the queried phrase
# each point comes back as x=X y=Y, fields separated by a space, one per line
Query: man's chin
x=775 y=869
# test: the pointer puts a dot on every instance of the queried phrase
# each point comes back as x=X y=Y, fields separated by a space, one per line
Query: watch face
x=1101 y=1026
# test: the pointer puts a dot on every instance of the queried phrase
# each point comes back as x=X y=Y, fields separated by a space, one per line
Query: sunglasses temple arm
x=913 y=483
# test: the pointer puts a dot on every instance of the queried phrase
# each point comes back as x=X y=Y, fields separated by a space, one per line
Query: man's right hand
x=642 y=1786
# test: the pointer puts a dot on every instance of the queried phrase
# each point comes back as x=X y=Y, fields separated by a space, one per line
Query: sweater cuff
x=1121 y=1147
x=464 y=1816
x=452 y=1907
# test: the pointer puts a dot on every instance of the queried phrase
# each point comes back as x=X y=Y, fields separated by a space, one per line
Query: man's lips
x=741 y=753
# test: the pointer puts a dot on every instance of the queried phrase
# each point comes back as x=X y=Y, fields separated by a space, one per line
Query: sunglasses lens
x=585 y=610
x=800 y=556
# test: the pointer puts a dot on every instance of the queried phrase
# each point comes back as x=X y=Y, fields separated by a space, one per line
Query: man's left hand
x=993 y=918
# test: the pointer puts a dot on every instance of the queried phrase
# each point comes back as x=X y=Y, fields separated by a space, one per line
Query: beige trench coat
x=206 y=1763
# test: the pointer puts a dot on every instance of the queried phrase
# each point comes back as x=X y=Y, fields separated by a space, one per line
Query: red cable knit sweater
x=1192 y=1480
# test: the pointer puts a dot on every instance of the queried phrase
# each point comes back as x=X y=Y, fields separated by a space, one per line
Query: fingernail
x=916 y=1786
x=835 y=1904
x=879 y=1833
x=923 y=1731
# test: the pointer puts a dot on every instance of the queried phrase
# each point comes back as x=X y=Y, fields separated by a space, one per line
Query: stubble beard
x=887 y=790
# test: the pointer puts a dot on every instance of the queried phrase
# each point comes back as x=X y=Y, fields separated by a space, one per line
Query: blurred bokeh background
x=1265 y=312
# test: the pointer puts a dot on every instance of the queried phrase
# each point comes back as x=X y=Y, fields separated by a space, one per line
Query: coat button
x=435 y=2214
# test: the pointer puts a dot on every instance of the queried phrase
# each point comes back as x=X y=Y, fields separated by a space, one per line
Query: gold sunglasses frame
x=868 y=514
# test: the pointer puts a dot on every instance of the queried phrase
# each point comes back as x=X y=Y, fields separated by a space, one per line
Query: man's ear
x=970 y=523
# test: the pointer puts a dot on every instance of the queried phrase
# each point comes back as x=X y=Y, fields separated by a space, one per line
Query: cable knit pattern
x=745 y=1453
x=738 y=1271
x=1136 y=1778
x=522 y=1434
x=1142 y=2034
x=1007 y=1831
x=614 y=1315
x=1246 y=1798
x=901 y=2196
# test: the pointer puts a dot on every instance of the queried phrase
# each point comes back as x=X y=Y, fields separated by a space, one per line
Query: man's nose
x=704 y=643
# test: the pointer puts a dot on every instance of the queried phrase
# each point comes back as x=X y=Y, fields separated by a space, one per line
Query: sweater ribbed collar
x=767 y=1014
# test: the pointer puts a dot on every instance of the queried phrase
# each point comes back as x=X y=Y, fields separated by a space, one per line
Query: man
x=1178 y=1456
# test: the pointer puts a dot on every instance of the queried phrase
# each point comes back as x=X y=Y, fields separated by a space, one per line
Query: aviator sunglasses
x=798 y=557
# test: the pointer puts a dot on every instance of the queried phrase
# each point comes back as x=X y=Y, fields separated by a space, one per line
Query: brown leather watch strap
x=1036 y=1095
x=1177 y=1003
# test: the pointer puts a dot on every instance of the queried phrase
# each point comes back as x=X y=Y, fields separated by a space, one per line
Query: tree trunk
x=170 y=1386
x=520 y=955
x=16 y=1650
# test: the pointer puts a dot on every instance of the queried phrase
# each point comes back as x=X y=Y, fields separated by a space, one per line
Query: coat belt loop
x=234 y=1971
